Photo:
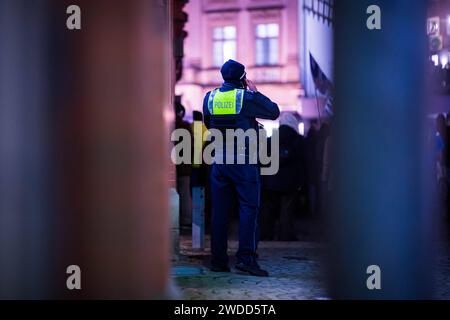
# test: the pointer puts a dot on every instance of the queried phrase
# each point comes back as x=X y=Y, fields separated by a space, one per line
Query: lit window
x=267 y=44
x=224 y=45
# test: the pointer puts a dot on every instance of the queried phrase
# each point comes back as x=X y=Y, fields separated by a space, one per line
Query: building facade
x=262 y=34
x=316 y=29
x=438 y=71
x=315 y=38
x=438 y=31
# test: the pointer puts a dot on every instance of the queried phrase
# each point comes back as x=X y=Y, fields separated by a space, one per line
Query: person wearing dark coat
x=311 y=143
x=235 y=106
x=183 y=172
x=280 y=191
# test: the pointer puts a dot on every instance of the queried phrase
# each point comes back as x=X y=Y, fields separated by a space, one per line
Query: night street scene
x=226 y=150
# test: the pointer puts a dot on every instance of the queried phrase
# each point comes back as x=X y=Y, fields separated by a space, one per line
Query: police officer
x=236 y=105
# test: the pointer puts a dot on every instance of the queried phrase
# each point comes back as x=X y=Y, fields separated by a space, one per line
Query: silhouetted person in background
x=326 y=176
x=183 y=172
x=441 y=146
x=280 y=191
x=198 y=177
x=322 y=137
x=440 y=160
x=447 y=162
x=312 y=165
x=447 y=136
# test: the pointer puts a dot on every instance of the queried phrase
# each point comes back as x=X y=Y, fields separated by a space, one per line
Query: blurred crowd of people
x=300 y=188
x=442 y=161
x=439 y=78
x=303 y=182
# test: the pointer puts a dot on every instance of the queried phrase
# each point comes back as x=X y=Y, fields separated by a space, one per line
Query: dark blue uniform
x=241 y=182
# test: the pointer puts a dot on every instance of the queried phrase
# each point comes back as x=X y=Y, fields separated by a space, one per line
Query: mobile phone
x=244 y=83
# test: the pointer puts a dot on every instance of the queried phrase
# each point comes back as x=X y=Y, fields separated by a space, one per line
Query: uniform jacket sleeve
x=206 y=115
x=259 y=106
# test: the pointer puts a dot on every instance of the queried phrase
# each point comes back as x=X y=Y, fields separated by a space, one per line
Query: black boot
x=252 y=269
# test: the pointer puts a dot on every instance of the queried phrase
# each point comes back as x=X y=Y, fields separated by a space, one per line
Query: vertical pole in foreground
x=27 y=198
x=84 y=149
x=124 y=64
x=198 y=217
x=377 y=217
x=198 y=190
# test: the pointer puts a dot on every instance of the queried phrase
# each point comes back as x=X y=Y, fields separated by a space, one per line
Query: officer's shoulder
x=207 y=95
x=249 y=94
x=209 y=92
x=205 y=100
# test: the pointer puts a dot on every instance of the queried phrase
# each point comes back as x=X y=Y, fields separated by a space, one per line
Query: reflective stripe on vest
x=225 y=103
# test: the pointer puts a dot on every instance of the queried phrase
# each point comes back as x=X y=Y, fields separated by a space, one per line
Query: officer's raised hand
x=251 y=85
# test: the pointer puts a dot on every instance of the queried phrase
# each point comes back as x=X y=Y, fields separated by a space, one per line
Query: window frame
x=265 y=40
x=222 y=40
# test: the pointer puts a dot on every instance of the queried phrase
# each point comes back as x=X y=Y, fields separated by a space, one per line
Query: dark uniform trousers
x=229 y=181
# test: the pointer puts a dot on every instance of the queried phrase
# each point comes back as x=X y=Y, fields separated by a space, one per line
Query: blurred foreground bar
x=83 y=165
x=380 y=190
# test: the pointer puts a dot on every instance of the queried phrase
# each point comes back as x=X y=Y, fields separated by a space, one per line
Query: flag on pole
x=323 y=85
x=320 y=79
x=329 y=106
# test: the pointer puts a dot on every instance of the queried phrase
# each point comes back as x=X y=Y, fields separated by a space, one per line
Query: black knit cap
x=232 y=70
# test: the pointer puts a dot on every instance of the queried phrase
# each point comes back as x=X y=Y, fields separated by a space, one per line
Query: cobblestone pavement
x=296 y=272
x=443 y=274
